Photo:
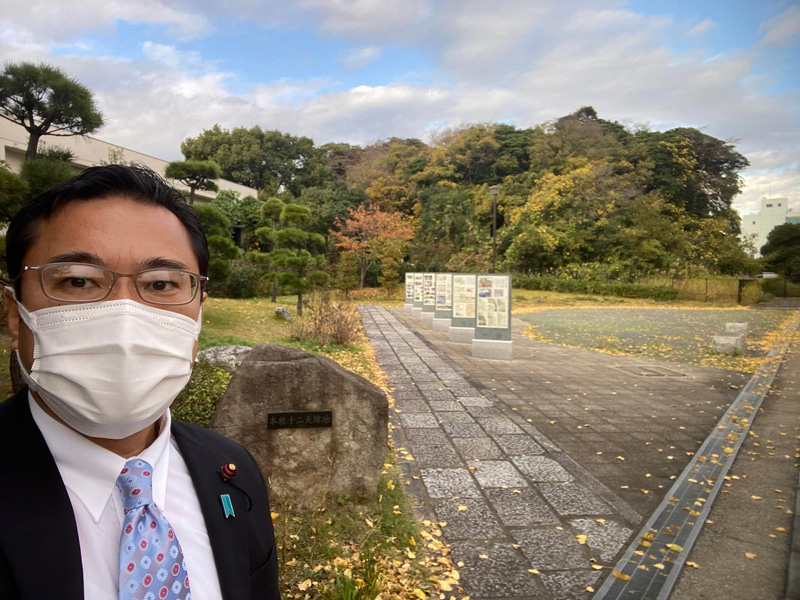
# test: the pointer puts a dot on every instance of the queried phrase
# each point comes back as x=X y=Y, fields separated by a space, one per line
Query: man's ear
x=12 y=311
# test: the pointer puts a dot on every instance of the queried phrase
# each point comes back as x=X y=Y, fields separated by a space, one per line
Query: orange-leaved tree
x=373 y=235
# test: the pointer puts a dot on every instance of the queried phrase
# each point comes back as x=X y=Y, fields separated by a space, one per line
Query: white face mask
x=109 y=369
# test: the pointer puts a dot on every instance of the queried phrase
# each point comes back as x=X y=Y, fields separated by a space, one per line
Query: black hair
x=136 y=183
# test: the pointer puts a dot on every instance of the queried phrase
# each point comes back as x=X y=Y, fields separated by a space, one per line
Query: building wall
x=91 y=151
x=774 y=212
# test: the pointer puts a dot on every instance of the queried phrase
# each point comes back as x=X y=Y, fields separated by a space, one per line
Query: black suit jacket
x=39 y=548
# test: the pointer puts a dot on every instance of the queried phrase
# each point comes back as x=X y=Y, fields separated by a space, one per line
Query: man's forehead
x=113 y=230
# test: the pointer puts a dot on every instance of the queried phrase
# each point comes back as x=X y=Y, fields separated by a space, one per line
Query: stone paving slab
x=485 y=472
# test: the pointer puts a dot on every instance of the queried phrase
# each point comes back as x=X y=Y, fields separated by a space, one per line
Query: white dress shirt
x=90 y=475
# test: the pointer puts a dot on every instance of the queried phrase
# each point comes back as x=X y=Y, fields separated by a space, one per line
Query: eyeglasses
x=82 y=282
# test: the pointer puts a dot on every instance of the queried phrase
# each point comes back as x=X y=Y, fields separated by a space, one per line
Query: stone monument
x=314 y=427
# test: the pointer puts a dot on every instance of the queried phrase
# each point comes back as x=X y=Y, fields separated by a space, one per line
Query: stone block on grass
x=729 y=344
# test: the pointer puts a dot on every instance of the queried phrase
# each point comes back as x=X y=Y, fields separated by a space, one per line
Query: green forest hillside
x=579 y=197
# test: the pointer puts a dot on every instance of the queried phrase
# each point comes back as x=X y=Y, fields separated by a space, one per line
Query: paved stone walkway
x=475 y=428
x=516 y=507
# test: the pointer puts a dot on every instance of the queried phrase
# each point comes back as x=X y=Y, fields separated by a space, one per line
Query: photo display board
x=494 y=302
x=464 y=296
x=444 y=292
x=418 y=290
x=410 y=287
x=428 y=292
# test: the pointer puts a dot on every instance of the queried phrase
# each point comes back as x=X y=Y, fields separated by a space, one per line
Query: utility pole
x=494 y=189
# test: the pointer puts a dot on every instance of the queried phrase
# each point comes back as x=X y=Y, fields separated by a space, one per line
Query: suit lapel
x=35 y=513
x=227 y=536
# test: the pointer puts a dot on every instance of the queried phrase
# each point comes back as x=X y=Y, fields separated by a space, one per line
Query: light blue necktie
x=151 y=565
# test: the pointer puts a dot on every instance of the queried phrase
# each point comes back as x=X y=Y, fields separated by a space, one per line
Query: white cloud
x=58 y=21
x=782 y=29
x=172 y=57
x=702 y=27
x=371 y=19
x=361 y=57
x=515 y=60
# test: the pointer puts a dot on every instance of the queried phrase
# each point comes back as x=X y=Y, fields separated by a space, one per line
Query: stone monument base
x=427 y=319
x=441 y=324
x=493 y=349
x=462 y=334
x=416 y=312
x=408 y=308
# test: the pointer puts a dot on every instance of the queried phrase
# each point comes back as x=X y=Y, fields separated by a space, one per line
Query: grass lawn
x=677 y=333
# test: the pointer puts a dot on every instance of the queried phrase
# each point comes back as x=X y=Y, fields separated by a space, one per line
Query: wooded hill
x=579 y=196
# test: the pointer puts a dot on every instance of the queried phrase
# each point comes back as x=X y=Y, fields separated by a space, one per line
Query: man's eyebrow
x=77 y=257
x=160 y=262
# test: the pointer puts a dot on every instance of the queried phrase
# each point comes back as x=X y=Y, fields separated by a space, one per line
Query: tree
x=297 y=256
x=329 y=204
x=14 y=191
x=372 y=235
x=51 y=166
x=782 y=250
x=265 y=160
x=195 y=174
x=347 y=273
x=222 y=250
x=46 y=101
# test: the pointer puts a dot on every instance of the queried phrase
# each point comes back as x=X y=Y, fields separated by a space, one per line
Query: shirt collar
x=90 y=471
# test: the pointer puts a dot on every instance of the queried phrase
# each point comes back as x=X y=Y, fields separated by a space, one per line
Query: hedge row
x=600 y=288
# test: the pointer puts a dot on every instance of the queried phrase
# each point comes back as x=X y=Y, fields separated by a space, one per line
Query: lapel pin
x=227 y=506
x=227 y=471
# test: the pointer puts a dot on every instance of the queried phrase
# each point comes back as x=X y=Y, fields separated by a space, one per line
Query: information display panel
x=409 y=288
x=494 y=302
x=418 y=279
x=428 y=292
x=444 y=293
x=462 y=323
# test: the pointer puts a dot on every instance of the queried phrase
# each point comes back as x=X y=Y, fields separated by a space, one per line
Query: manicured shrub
x=198 y=400
x=244 y=282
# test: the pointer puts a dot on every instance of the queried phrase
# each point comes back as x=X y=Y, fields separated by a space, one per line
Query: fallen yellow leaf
x=675 y=547
x=461 y=508
x=622 y=576
x=694 y=565
x=750 y=555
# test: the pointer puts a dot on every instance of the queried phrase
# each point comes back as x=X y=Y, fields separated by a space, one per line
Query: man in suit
x=105 y=496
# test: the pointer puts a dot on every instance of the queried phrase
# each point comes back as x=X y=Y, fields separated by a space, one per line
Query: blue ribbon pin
x=227 y=506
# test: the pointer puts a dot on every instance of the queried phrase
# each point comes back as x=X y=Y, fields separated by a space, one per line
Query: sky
x=358 y=71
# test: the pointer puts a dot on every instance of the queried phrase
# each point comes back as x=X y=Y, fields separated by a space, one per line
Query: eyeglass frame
x=201 y=280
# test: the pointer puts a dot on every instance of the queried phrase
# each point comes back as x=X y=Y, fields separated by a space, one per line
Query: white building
x=89 y=152
x=774 y=212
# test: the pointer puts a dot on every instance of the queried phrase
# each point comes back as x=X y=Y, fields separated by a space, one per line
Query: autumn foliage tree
x=373 y=235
